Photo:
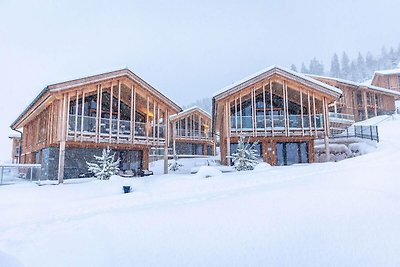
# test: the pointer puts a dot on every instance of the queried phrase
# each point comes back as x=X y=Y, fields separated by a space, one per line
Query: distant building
x=283 y=110
x=389 y=79
x=15 y=148
x=361 y=100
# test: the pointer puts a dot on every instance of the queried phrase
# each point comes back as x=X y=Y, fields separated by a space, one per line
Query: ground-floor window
x=130 y=159
x=291 y=153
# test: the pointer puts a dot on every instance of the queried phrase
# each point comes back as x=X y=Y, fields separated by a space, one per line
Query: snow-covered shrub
x=337 y=152
x=175 y=165
x=104 y=166
x=359 y=149
x=245 y=157
x=262 y=166
x=207 y=171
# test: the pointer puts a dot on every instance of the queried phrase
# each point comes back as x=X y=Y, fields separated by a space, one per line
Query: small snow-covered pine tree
x=245 y=157
x=175 y=165
x=105 y=166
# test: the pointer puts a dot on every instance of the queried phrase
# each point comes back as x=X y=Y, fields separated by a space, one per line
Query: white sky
x=186 y=49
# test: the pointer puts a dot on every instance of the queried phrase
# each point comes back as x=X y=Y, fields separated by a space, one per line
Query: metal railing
x=342 y=116
x=366 y=132
x=107 y=126
x=14 y=173
x=195 y=134
x=295 y=122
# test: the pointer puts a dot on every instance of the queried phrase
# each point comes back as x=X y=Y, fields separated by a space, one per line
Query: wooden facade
x=359 y=100
x=116 y=109
x=389 y=79
x=283 y=110
x=191 y=131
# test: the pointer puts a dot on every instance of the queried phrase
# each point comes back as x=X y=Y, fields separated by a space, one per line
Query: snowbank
x=262 y=166
x=207 y=172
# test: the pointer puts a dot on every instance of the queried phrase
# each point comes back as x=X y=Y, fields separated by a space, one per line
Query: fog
x=186 y=49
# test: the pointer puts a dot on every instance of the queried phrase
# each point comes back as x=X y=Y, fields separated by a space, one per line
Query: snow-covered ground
x=343 y=213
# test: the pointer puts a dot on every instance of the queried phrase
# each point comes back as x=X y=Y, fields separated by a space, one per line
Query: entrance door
x=289 y=153
x=130 y=159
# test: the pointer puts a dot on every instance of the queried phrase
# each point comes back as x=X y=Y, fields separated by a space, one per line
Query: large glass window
x=291 y=153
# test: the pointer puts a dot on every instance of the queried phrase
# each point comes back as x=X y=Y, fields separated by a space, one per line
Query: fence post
x=2 y=172
x=370 y=130
x=377 y=135
x=362 y=136
x=31 y=173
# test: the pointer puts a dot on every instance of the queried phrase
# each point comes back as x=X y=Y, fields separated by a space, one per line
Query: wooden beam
x=301 y=111
x=264 y=110
x=97 y=114
x=100 y=109
x=82 y=114
x=62 y=124
x=315 y=116
x=271 y=108
x=111 y=111
x=119 y=110
x=132 y=135
x=309 y=112
x=76 y=115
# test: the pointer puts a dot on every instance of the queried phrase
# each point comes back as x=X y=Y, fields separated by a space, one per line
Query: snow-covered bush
x=338 y=152
x=104 y=166
x=207 y=171
x=245 y=157
x=359 y=149
x=175 y=165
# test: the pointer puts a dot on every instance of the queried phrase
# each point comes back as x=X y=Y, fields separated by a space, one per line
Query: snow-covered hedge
x=340 y=152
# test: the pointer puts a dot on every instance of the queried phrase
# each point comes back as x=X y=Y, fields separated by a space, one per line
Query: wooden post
x=375 y=106
x=76 y=115
x=67 y=119
x=62 y=126
x=228 y=134
x=236 y=117
x=364 y=94
x=100 y=110
x=166 y=144
x=119 y=110
x=147 y=119
x=271 y=108
x=82 y=114
x=326 y=127
x=154 y=120
x=309 y=112
x=315 y=116
x=241 y=112
x=264 y=110
x=97 y=131
x=284 y=108
x=301 y=112
x=158 y=124
x=174 y=138
x=287 y=111
x=134 y=115
x=111 y=110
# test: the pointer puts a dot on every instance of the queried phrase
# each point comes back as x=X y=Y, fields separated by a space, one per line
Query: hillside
x=329 y=214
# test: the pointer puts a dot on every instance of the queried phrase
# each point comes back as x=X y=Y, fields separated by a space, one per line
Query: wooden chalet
x=389 y=79
x=281 y=109
x=360 y=101
x=69 y=122
x=191 y=130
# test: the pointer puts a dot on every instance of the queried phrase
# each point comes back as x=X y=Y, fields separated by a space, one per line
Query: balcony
x=276 y=123
x=118 y=131
x=193 y=134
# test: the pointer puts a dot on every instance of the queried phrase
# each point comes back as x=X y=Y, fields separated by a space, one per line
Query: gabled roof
x=95 y=79
x=364 y=85
x=388 y=72
x=262 y=74
x=188 y=111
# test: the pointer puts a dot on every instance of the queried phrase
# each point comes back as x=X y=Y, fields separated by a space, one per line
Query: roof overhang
x=189 y=111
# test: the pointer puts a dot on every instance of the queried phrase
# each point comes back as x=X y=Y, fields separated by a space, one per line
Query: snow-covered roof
x=388 y=72
x=189 y=110
x=364 y=85
x=277 y=69
x=367 y=82
x=94 y=79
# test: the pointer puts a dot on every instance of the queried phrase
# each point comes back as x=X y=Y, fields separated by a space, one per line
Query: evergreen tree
x=362 y=74
x=316 y=67
x=335 y=66
x=304 y=68
x=345 y=71
x=353 y=72
x=245 y=157
x=175 y=165
x=104 y=166
x=370 y=64
x=293 y=68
